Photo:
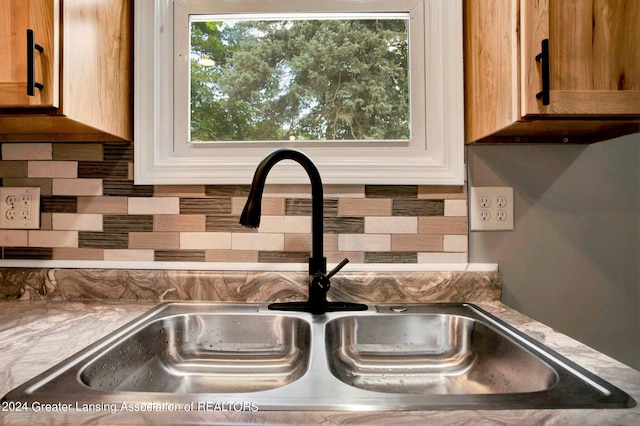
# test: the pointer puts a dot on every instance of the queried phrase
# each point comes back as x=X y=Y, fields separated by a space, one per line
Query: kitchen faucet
x=319 y=280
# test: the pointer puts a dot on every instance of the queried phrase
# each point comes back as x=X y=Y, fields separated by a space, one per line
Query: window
x=299 y=77
x=213 y=122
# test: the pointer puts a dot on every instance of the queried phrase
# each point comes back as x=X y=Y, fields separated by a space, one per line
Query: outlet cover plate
x=19 y=207
x=491 y=208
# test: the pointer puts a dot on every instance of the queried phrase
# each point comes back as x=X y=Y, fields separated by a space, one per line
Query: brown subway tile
x=52 y=169
x=418 y=208
x=184 y=191
x=344 y=225
x=14 y=169
x=154 y=240
x=104 y=205
x=34 y=253
x=66 y=253
x=26 y=151
x=344 y=191
x=118 y=187
x=416 y=242
x=391 y=257
x=391 y=191
x=231 y=256
x=205 y=206
x=48 y=238
x=442 y=191
x=77 y=151
x=227 y=190
x=78 y=187
x=179 y=256
x=288 y=190
x=297 y=242
x=364 y=207
x=128 y=223
x=224 y=223
x=283 y=257
x=76 y=221
x=45 y=184
x=118 y=151
x=103 y=169
x=302 y=242
x=59 y=204
x=303 y=207
x=451 y=225
x=14 y=237
x=179 y=222
x=103 y=240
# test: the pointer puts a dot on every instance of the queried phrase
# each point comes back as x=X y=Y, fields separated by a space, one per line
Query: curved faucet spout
x=318 y=278
x=251 y=214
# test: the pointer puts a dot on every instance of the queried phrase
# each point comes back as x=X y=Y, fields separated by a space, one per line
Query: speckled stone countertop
x=37 y=333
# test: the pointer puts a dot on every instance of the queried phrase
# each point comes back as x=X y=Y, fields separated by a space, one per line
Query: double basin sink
x=389 y=357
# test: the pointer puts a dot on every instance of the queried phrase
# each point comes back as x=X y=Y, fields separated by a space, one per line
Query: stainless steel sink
x=410 y=357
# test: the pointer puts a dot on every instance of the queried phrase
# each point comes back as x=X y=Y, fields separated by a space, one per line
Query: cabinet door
x=16 y=17
x=594 y=57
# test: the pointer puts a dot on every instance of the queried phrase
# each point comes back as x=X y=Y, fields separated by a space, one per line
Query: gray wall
x=573 y=259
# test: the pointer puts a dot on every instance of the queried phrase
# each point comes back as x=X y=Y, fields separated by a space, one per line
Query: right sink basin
x=432 y=354
x=457 y=355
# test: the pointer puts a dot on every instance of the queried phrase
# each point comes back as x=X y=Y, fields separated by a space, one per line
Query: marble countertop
x=35 y=335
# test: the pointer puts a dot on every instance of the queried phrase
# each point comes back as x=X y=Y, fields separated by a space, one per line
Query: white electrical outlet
x=19 y=208
x=491 y=208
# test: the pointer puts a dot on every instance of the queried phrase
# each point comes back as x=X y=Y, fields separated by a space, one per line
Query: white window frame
x=433 y=156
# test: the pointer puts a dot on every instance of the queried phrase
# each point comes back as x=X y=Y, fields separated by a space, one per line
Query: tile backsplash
x=91 y=210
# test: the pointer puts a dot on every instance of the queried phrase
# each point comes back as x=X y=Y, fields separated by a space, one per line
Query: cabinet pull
x=32 y=46
x=543 y=58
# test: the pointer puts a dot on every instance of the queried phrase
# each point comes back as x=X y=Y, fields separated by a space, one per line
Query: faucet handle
x=320 y=283
x=317 y=304
x=337 y=268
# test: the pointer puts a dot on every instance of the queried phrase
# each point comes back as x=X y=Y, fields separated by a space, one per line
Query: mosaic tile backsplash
x=91 y=210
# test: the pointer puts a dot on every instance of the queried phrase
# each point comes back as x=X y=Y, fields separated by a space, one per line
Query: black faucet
x=319 y=280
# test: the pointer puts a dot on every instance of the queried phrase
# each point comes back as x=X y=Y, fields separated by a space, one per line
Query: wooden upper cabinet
x=591 y=90
x=91 y=89
x=41 y=17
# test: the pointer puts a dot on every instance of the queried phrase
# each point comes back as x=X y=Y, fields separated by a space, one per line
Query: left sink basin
x=204 y=353
x=183 y=348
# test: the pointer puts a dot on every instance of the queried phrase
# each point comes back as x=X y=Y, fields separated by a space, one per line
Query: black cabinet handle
x=543 y=58
x=32 y=46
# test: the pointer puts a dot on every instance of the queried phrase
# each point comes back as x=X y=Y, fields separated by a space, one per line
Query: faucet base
x=307 y=307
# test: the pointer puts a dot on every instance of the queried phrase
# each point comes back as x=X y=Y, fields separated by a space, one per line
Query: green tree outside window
x=300 y=79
